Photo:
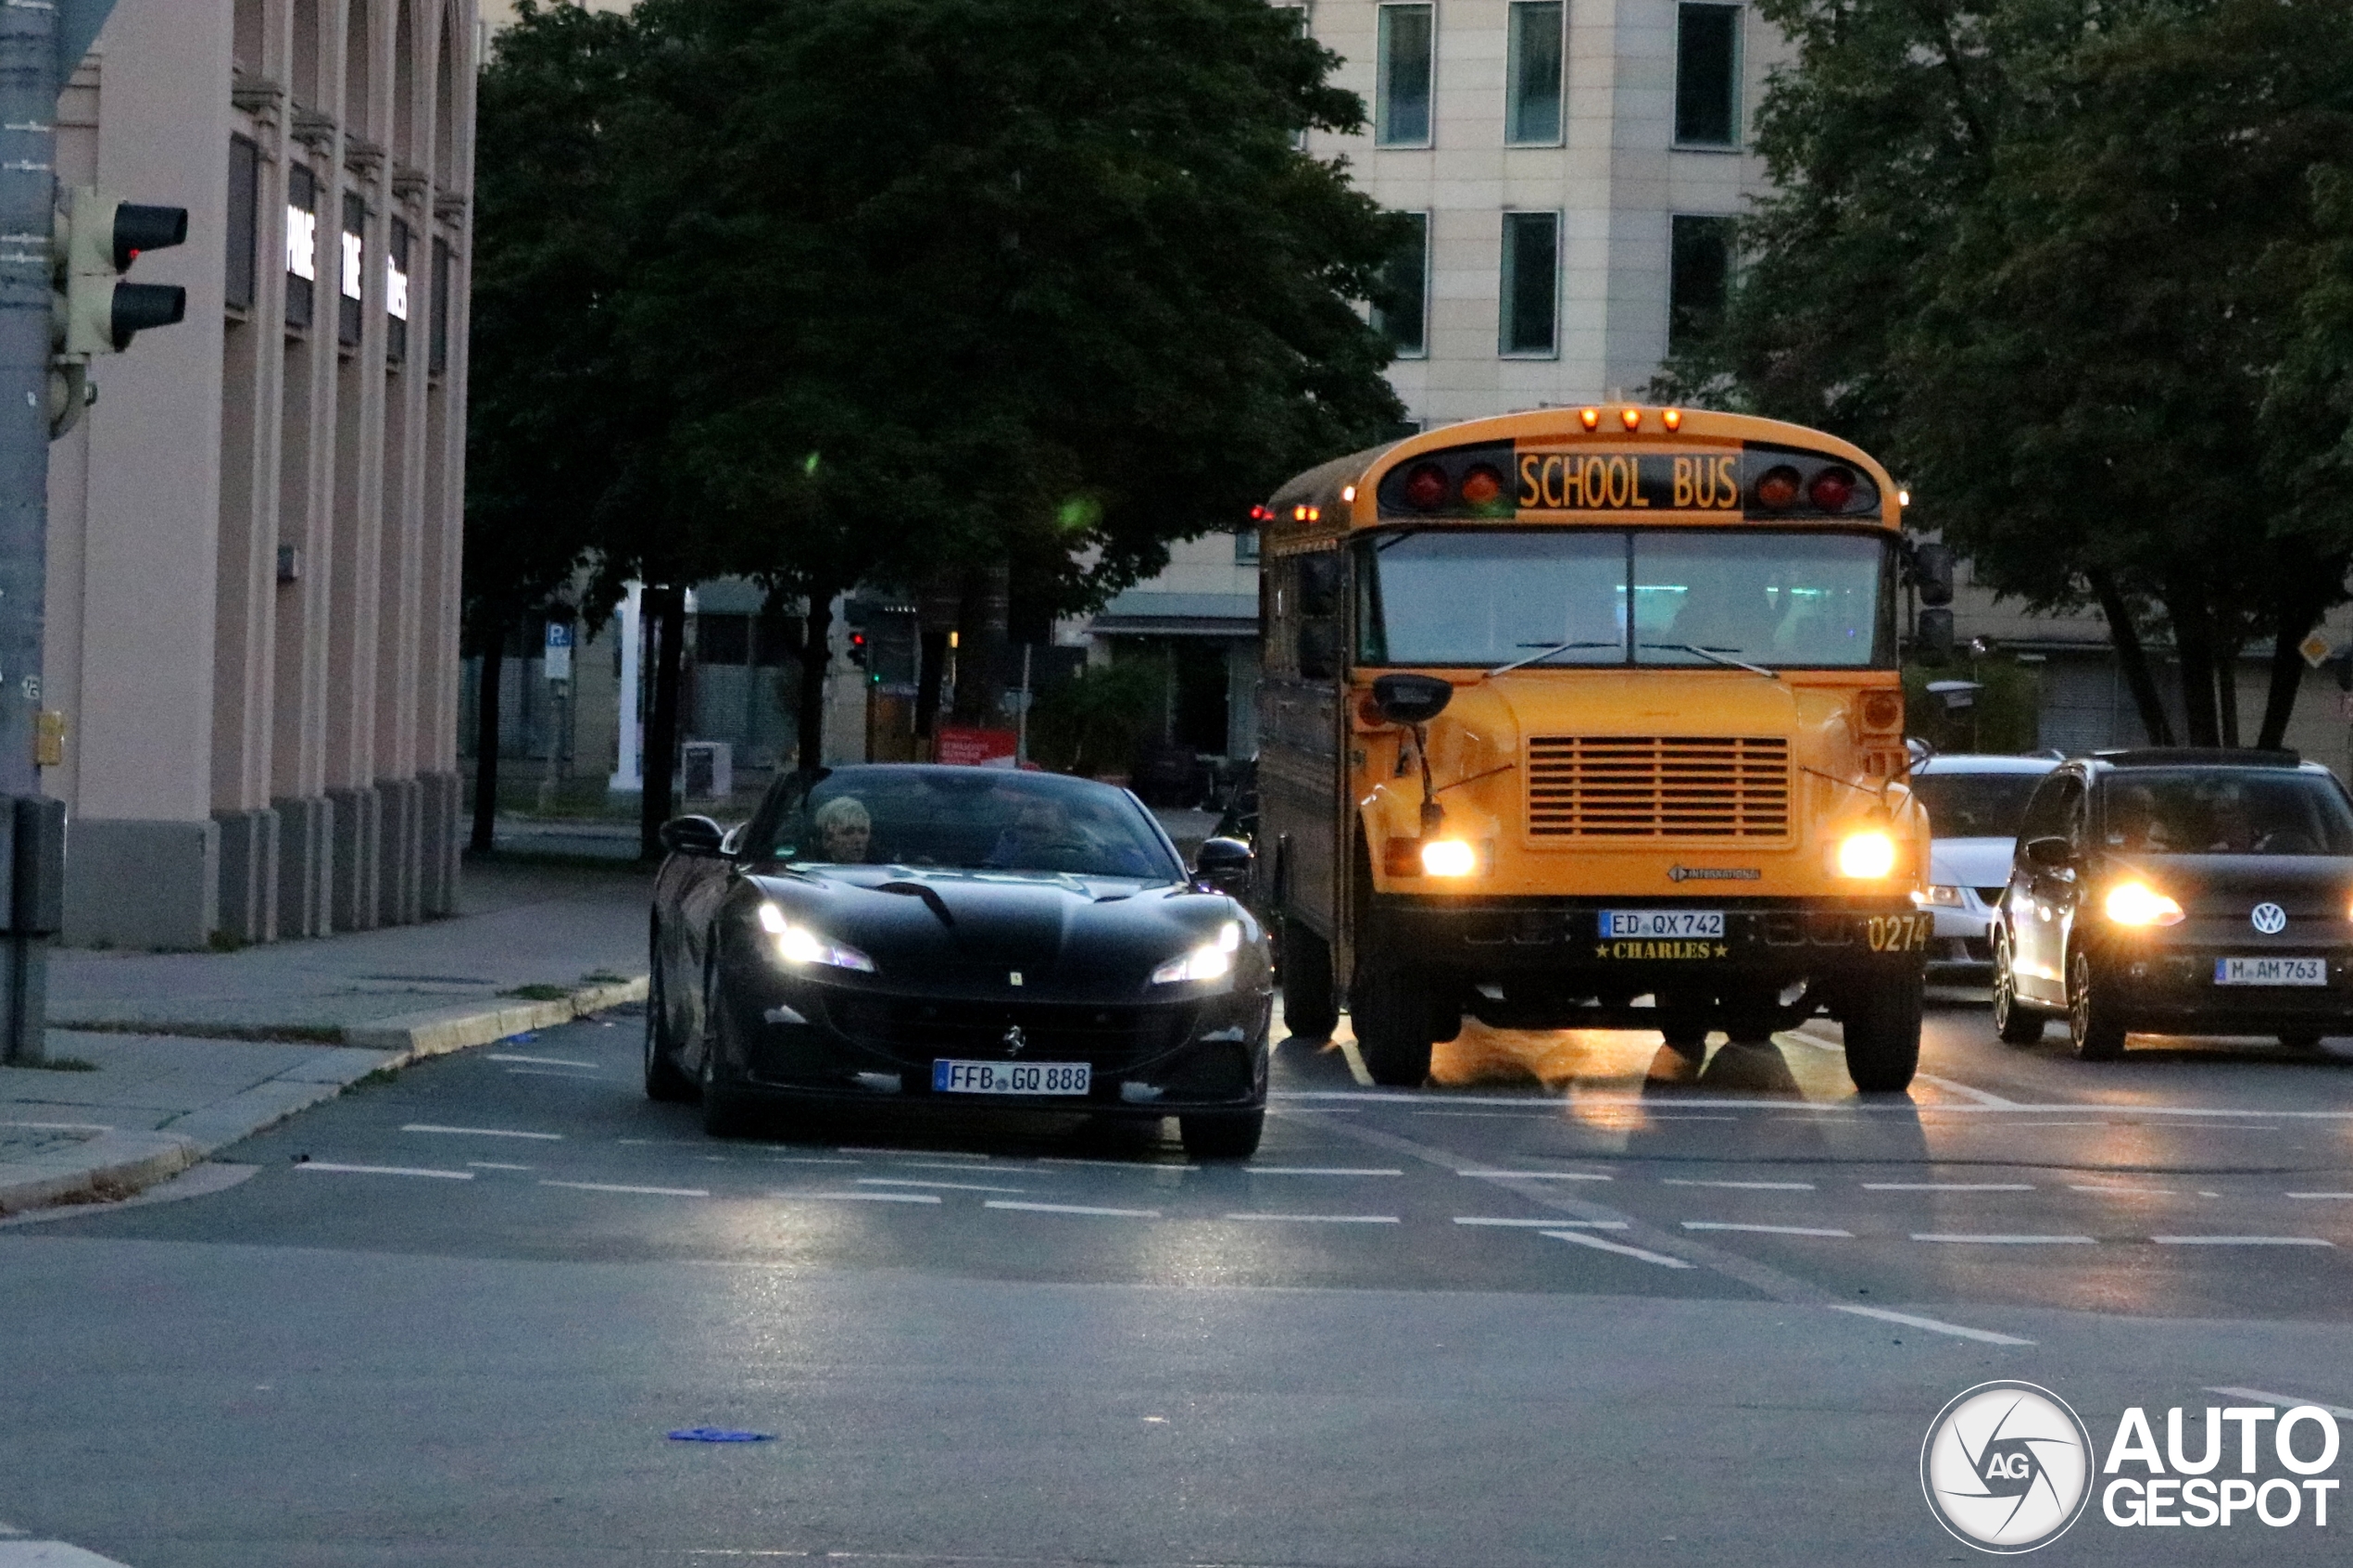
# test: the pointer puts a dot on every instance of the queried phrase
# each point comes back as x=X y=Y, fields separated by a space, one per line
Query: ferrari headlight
x=1211 y=960
x=1939 y=895
x=1869 y=855
x=799 y=945
x=2137 y=903
x=1449 y=857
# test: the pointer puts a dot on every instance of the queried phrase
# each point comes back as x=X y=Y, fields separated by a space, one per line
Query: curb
x=118 y=1164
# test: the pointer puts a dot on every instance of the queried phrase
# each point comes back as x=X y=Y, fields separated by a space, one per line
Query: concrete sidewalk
x=158 y=1058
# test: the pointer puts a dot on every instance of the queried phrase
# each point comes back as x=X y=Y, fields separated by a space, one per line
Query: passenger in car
x=844 y=831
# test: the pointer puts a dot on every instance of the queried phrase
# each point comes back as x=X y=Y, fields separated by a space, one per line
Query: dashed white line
x=2286 y=1401
x=1113 y=1164
x=387 y=1169
x=1745 y=1186
x=1933 y=1325
x=908 y=1153
x=550 y=1072
x=2132 y=1192
x=616 y=1186
x=1073 y=1209
x=2008 y=1240
x=539 y=1060
x=483 y=1131
x=495 y=1165
x=2321 y=1194
x=1323 y=1219
x=922 y=1182
x=1764 y=1230
x=1542 y=1225
x=1948 y=1186
x=2240 y=1241
x=809 y=1159
x=940 y=1164
x=1320 y=1171
x=1601 y=1245
x=868 y=1196
x=1540 y=1175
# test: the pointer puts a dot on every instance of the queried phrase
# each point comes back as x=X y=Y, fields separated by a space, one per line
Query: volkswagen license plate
x=1662 y=923
x=2271 y=972
x=1011 y=1077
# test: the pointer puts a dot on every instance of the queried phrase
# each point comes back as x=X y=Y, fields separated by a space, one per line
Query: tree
x=2047 y=256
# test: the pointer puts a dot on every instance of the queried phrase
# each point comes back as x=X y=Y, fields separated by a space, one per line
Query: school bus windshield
x=1498 y=597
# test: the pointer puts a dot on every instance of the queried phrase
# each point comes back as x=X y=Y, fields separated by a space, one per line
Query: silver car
x=1974 y=804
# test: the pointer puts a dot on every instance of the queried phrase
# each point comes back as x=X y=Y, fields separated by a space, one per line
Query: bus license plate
x=1011 y=1077
x=2271 y=972
x=1662 y=923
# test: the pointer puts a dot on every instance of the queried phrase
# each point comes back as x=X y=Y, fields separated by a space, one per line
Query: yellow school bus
x=1591 y=717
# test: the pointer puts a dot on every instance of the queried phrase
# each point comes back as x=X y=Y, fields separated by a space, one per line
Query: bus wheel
x=1390 y=1008
x=1309 y=1006
x=1882 y=1026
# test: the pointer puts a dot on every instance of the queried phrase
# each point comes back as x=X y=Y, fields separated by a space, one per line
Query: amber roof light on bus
x=1589 y=418
x=1776 y=490
x=1831 y=489
x=1425 y=487
x=1672 y=419
x=1482 y=486
x=1630 y=418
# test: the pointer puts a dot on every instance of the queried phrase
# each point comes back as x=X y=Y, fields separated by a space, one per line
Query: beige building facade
x=254 y=544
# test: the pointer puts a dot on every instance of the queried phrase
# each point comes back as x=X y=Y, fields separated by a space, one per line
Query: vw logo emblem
x=2006 y=1467
x=2269 y=919
x=1015 y=1040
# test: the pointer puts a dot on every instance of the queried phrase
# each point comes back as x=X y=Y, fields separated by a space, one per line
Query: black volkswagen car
x=892 y=934
x=2179 y=891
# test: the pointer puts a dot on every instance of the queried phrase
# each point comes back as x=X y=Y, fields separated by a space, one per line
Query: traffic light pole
x=31 y=79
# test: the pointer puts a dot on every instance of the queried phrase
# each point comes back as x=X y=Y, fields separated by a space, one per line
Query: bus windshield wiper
x=1547 y=650
x=1715 y=656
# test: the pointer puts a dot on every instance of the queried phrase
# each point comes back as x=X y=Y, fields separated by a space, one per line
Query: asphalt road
x=1578 y=1301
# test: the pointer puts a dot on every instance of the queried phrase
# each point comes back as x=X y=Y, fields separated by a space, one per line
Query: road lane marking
x=2321 y=1194
x=1935 y=1326
x=2286 y=1401
x=1983 y=1096
x=1320 y=1171
x=1113 y=1164
x=1745 y=1186
x=1541 y=1224
x=385 y=1170
x=2240 y=1241
x=2134 y=1192
x=920 y=1182
x=1948 y=1186
x=1073 y=1209
x=495 y=1165
x=1325 y=1219
x=1764 y=1230
x=908 y=1153
x=550 y=1072
x=1603 y=1245
x=482 y=1132
x=63 y=1127
x=809 y=1159
x=2009 y=1241
x=1590 y=1101
x=616 y=1186
x=50 y=1554
x=1355 y=1060
x=1540 y=1175
x=868 y=1196
x=938 y=1164
x=540 y=1060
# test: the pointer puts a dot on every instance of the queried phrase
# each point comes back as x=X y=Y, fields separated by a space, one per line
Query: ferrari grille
x=917 y=1030
x=1658 y=786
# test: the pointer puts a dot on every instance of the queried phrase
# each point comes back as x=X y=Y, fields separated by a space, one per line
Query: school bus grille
x=1658 y=786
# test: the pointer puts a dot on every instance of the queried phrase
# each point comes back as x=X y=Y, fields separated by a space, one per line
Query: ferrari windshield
x=2234 y=813
x=1586 y=596
x=970 y=819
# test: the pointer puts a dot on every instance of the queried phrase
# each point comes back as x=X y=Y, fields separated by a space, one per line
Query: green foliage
x=2005 y=717
x=2071 y=266
x=1090 y=723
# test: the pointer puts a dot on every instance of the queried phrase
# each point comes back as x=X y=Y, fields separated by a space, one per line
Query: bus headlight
x=1869 y=855
x=799 y=945
x=1449 y=857
x=2137 y=903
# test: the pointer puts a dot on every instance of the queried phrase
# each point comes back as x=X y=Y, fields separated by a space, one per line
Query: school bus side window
x=1320 y=582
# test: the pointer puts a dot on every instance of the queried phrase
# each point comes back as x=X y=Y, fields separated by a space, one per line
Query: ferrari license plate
x=1011 y=1077
x=1662 y=923
x=2271 y=972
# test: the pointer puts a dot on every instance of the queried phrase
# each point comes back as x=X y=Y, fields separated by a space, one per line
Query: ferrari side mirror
x=1221 y=865
x=691 y=836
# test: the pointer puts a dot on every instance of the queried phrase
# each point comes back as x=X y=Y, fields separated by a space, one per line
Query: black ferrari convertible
x=888 y=935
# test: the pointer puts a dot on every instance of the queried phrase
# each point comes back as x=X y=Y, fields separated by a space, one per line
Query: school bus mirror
x=1411 y=699
x=1932 y=638
x=1932 y=573
x=1318 y=650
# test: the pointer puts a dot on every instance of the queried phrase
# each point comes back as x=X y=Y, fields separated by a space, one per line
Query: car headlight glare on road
x=2137 y=903
x=1940 y=896
x=1869 y=854
x=1449 y=857
x=1211 y=960
x=799 y=945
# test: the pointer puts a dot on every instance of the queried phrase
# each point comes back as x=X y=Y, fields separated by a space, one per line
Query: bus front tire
x=1311 y=1006
x=1393 y=1012
x=1882 y=1027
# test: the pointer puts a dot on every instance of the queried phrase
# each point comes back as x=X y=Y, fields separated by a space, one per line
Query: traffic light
x=92 y=312
x=858 y=649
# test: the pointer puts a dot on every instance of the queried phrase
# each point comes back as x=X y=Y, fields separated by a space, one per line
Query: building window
x=397 y=294
x=1707 y=76
x=1297 y=16
x=302 y=243
x=244 y=223
x=353 y=275
x=1403 y=317
x=1531 y=283
x=1533 y=104
x=1401 y=93
x=1246 y=548
x=1699 y=275
x=437 y=328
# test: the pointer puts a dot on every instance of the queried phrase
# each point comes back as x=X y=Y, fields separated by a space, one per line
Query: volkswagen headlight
x=1211 y=960
x=799 y=945
x=2137 y=903
x=1869 y=855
